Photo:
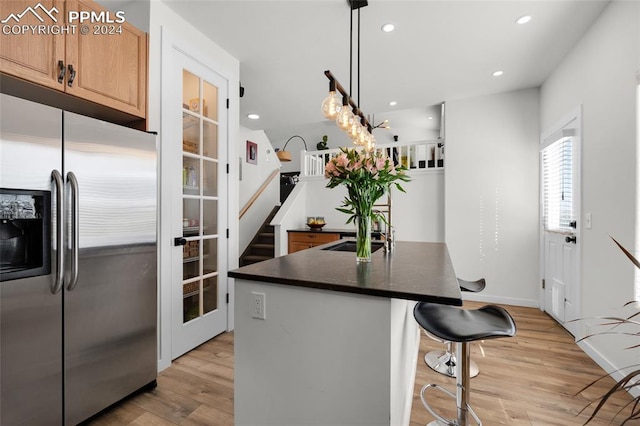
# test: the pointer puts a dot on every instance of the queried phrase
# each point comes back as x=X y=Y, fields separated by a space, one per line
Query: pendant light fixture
x=283 y=154
x=347 y=114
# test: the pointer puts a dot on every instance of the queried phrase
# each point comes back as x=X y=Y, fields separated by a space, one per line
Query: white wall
x=163 y=19
x=290 y=216
x=418 y=214
x=253 y=176
x=491 y=193
x=600 y=74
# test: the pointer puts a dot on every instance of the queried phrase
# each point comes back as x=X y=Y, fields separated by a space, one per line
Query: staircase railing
x=259 y=192
x=423 y=155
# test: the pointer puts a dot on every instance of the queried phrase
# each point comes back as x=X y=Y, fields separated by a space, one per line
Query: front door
x=199 y=212
x=560 y=161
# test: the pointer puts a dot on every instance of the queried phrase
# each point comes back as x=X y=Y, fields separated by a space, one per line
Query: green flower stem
x=363 y=238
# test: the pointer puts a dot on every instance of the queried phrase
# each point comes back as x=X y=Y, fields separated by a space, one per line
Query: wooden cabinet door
x=304 y=240
x=111 y=67
x=28 y=56
x=294 y=246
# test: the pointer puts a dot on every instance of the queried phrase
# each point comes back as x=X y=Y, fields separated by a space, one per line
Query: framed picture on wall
x=252 y=152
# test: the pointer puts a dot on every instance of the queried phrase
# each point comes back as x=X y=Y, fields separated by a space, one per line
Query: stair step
x=263 y=246
x=253 y=258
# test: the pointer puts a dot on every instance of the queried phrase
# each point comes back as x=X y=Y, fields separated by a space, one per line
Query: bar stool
x=461 y=326
x=444 y=361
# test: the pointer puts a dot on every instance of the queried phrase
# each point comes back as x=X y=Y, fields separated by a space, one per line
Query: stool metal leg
x=462 y=382
x=444 y=362
x=463 y=391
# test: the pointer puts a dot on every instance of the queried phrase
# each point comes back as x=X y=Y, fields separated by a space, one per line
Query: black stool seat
x=464 y=325
x=444 y=361
x=472 y=286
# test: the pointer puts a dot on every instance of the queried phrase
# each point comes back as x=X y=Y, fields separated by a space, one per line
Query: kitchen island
x=338 y=344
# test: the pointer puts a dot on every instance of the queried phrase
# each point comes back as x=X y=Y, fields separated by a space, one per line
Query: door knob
x=179 y=241
x=571 y=239
x=573 y=224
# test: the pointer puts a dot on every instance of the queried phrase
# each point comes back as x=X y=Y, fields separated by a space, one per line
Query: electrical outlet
x=258 y=310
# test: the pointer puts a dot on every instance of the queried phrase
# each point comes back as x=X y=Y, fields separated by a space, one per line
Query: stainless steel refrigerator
x=78 y=264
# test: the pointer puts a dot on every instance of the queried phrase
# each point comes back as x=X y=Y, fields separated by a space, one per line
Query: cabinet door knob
x=62 y=70
x=72 y=75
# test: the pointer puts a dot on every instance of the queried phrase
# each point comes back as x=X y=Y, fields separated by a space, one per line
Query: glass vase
x=363 y=239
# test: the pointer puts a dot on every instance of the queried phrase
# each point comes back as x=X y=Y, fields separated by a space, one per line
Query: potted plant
x=322 y=145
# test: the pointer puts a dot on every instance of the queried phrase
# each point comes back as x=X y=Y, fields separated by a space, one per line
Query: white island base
x=323 y=357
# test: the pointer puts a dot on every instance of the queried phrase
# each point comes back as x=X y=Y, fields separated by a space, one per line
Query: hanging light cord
x=351 y=54
x=359 y=57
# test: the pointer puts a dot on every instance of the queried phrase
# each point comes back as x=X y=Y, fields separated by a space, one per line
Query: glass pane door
x=195 y=202
x=200 y=205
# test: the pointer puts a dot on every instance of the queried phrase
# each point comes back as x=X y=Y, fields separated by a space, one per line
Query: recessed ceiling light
x=523 y=19
x=430 y=118
x=393 y=103
x=387 y=28
x=253 y=116
x=498 y=73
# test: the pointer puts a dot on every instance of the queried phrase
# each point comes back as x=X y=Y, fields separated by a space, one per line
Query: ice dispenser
x=25 y=233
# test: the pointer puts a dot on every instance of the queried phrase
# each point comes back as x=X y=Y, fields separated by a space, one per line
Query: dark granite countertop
x=414 y=271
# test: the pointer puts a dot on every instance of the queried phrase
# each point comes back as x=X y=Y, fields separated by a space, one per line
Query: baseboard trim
x=606 y=365
x=482 y=297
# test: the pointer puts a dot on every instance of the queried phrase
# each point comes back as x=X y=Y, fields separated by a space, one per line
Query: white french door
x=560 y=213
x=199 y=206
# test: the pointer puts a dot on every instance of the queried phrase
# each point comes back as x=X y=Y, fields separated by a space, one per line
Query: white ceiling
x=441 y=50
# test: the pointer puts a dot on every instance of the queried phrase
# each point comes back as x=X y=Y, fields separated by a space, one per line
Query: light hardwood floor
x=531 y=379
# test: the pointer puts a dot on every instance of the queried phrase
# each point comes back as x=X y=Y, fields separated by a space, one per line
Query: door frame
x=574 y=116
x=211 y=56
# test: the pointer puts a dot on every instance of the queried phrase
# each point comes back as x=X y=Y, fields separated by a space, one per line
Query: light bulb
x=331 y=106
x=344 y=118
x=371 y=143
x=363 y=137
x=356 y=128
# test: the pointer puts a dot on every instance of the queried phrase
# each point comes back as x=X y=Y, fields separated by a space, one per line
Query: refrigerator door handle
x=56 y=177
x=75 y=242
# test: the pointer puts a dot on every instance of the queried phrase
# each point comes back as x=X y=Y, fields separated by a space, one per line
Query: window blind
x=557 y=166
